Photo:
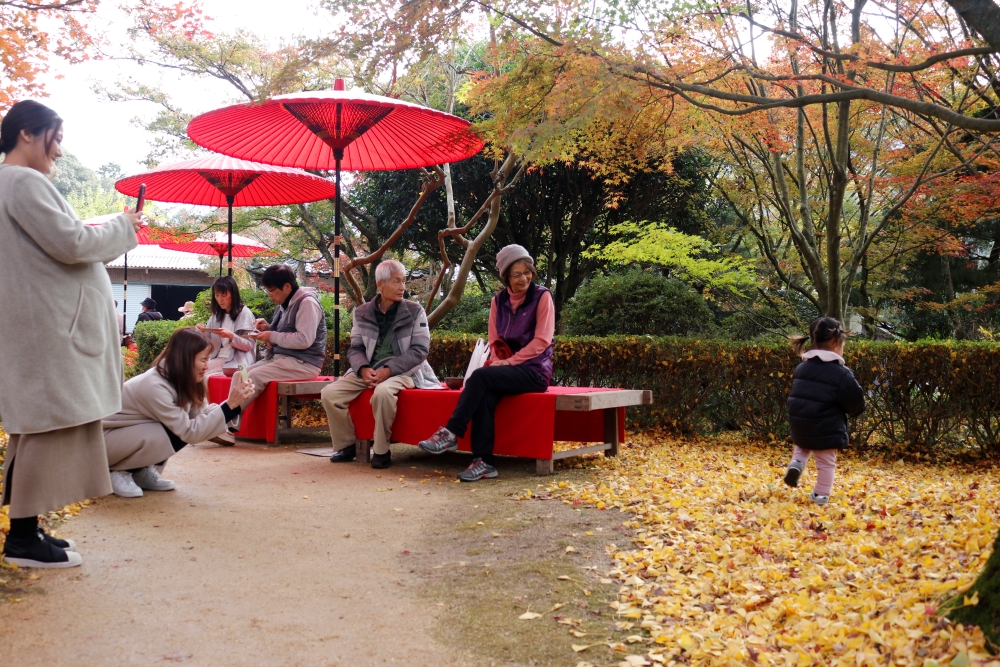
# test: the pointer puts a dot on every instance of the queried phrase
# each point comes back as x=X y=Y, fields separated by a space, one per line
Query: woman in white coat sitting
x=163 y=410
x=229 y=315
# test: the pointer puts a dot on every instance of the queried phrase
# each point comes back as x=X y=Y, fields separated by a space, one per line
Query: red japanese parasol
x=336 y=129
x=224 y=181
x=146 y=236
x=219 y=244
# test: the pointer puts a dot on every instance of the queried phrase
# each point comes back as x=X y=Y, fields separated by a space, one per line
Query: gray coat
x=60 y=355
x=410 y=337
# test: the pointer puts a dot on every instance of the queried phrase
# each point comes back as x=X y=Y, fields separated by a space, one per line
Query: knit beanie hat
x=508 y=255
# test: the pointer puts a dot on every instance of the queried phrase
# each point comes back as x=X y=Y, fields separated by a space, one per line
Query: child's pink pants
x=826 y=466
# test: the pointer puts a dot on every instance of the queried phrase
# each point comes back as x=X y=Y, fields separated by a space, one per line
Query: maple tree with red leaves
x=26 y=45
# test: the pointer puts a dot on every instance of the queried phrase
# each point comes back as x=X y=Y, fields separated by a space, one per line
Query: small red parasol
x=220 y=244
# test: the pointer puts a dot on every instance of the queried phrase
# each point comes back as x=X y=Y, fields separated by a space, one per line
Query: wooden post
x=284 y=414
x=363 y=451
x=611 y=431
x=545 y=466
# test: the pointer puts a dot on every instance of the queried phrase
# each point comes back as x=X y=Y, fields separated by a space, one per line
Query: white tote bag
x=480 y=353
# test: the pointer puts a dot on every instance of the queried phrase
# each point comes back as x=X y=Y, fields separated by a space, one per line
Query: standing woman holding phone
x=60 y=360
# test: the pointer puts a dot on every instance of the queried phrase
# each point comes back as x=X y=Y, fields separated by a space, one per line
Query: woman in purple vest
x=522 y=323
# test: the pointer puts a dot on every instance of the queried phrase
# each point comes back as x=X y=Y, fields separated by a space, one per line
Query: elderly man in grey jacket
x=389 y=345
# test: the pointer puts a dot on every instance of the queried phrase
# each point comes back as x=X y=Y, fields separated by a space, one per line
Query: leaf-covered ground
x=732 y=567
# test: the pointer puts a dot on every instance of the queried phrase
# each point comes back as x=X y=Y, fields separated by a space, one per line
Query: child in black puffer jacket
x=824 y=393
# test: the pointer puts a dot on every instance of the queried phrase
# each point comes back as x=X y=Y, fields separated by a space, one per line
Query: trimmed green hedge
x=923 y=399
x=150 y=338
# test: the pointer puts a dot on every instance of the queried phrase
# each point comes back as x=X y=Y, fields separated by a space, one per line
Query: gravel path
x=260 y=557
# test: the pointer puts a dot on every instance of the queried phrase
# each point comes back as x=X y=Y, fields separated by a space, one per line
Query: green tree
x=90 y=193
x=637 y=302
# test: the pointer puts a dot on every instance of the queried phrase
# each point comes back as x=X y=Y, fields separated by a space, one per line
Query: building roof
x=155 y=257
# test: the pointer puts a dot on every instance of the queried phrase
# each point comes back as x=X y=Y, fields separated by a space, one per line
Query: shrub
x=471 y=315
x=637 y=302
x=151 y=338
x=924 y=399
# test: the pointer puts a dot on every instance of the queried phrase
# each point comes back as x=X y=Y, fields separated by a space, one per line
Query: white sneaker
x=149 y=478
x=123 y=485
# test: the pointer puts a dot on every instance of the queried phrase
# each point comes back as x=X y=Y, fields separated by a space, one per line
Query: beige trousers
x=137 y=446
x=337 y=396
x=280 y=368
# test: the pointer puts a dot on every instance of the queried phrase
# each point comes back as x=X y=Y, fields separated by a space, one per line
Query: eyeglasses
x=518 y=276
x=271 y=290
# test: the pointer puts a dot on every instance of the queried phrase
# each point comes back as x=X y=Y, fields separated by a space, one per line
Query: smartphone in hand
x=142 y=198
x=243 y=374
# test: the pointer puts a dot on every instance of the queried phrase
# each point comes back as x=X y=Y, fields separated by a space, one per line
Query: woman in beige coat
x=163 y=410
x=60 y=361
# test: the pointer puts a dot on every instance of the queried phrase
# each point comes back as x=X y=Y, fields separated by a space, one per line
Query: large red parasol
x=220 y=244
x=336 y=129
x=224 y=181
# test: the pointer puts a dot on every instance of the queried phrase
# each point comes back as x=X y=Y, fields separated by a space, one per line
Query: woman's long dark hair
x=176 y=365
x=227 y=285
x=822 y=330
x=33 y=117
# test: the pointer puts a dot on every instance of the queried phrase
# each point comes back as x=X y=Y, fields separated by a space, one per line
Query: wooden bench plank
x=603 y=400
x=311 y=388
x=580 y=451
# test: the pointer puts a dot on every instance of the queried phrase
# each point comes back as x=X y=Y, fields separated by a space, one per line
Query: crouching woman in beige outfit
x=163 y=410
x=60 y=361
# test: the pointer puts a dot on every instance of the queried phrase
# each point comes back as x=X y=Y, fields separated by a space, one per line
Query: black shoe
x=381 y=460
x=344 y=455
x=793 y=473
x=36 y=551
x=66 y=545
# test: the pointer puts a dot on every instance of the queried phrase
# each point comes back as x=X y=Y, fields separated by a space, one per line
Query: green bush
x=471 y=315
x=924 y=399
x=151 y=338
x=635 y=303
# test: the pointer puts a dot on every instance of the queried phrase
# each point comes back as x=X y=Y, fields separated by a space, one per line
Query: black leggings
x=480 y=396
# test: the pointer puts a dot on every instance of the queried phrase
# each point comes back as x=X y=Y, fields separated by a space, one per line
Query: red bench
x=527 y=424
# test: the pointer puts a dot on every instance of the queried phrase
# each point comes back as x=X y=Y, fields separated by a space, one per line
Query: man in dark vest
x=296 y=336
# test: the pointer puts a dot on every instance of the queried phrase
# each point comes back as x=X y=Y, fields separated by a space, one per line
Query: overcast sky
x=98 y=131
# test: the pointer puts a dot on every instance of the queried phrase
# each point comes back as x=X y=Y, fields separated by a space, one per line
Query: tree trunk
x=986 y=614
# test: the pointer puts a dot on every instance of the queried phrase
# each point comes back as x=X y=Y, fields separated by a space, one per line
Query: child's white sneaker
x=793 y=473
x=818 y=499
